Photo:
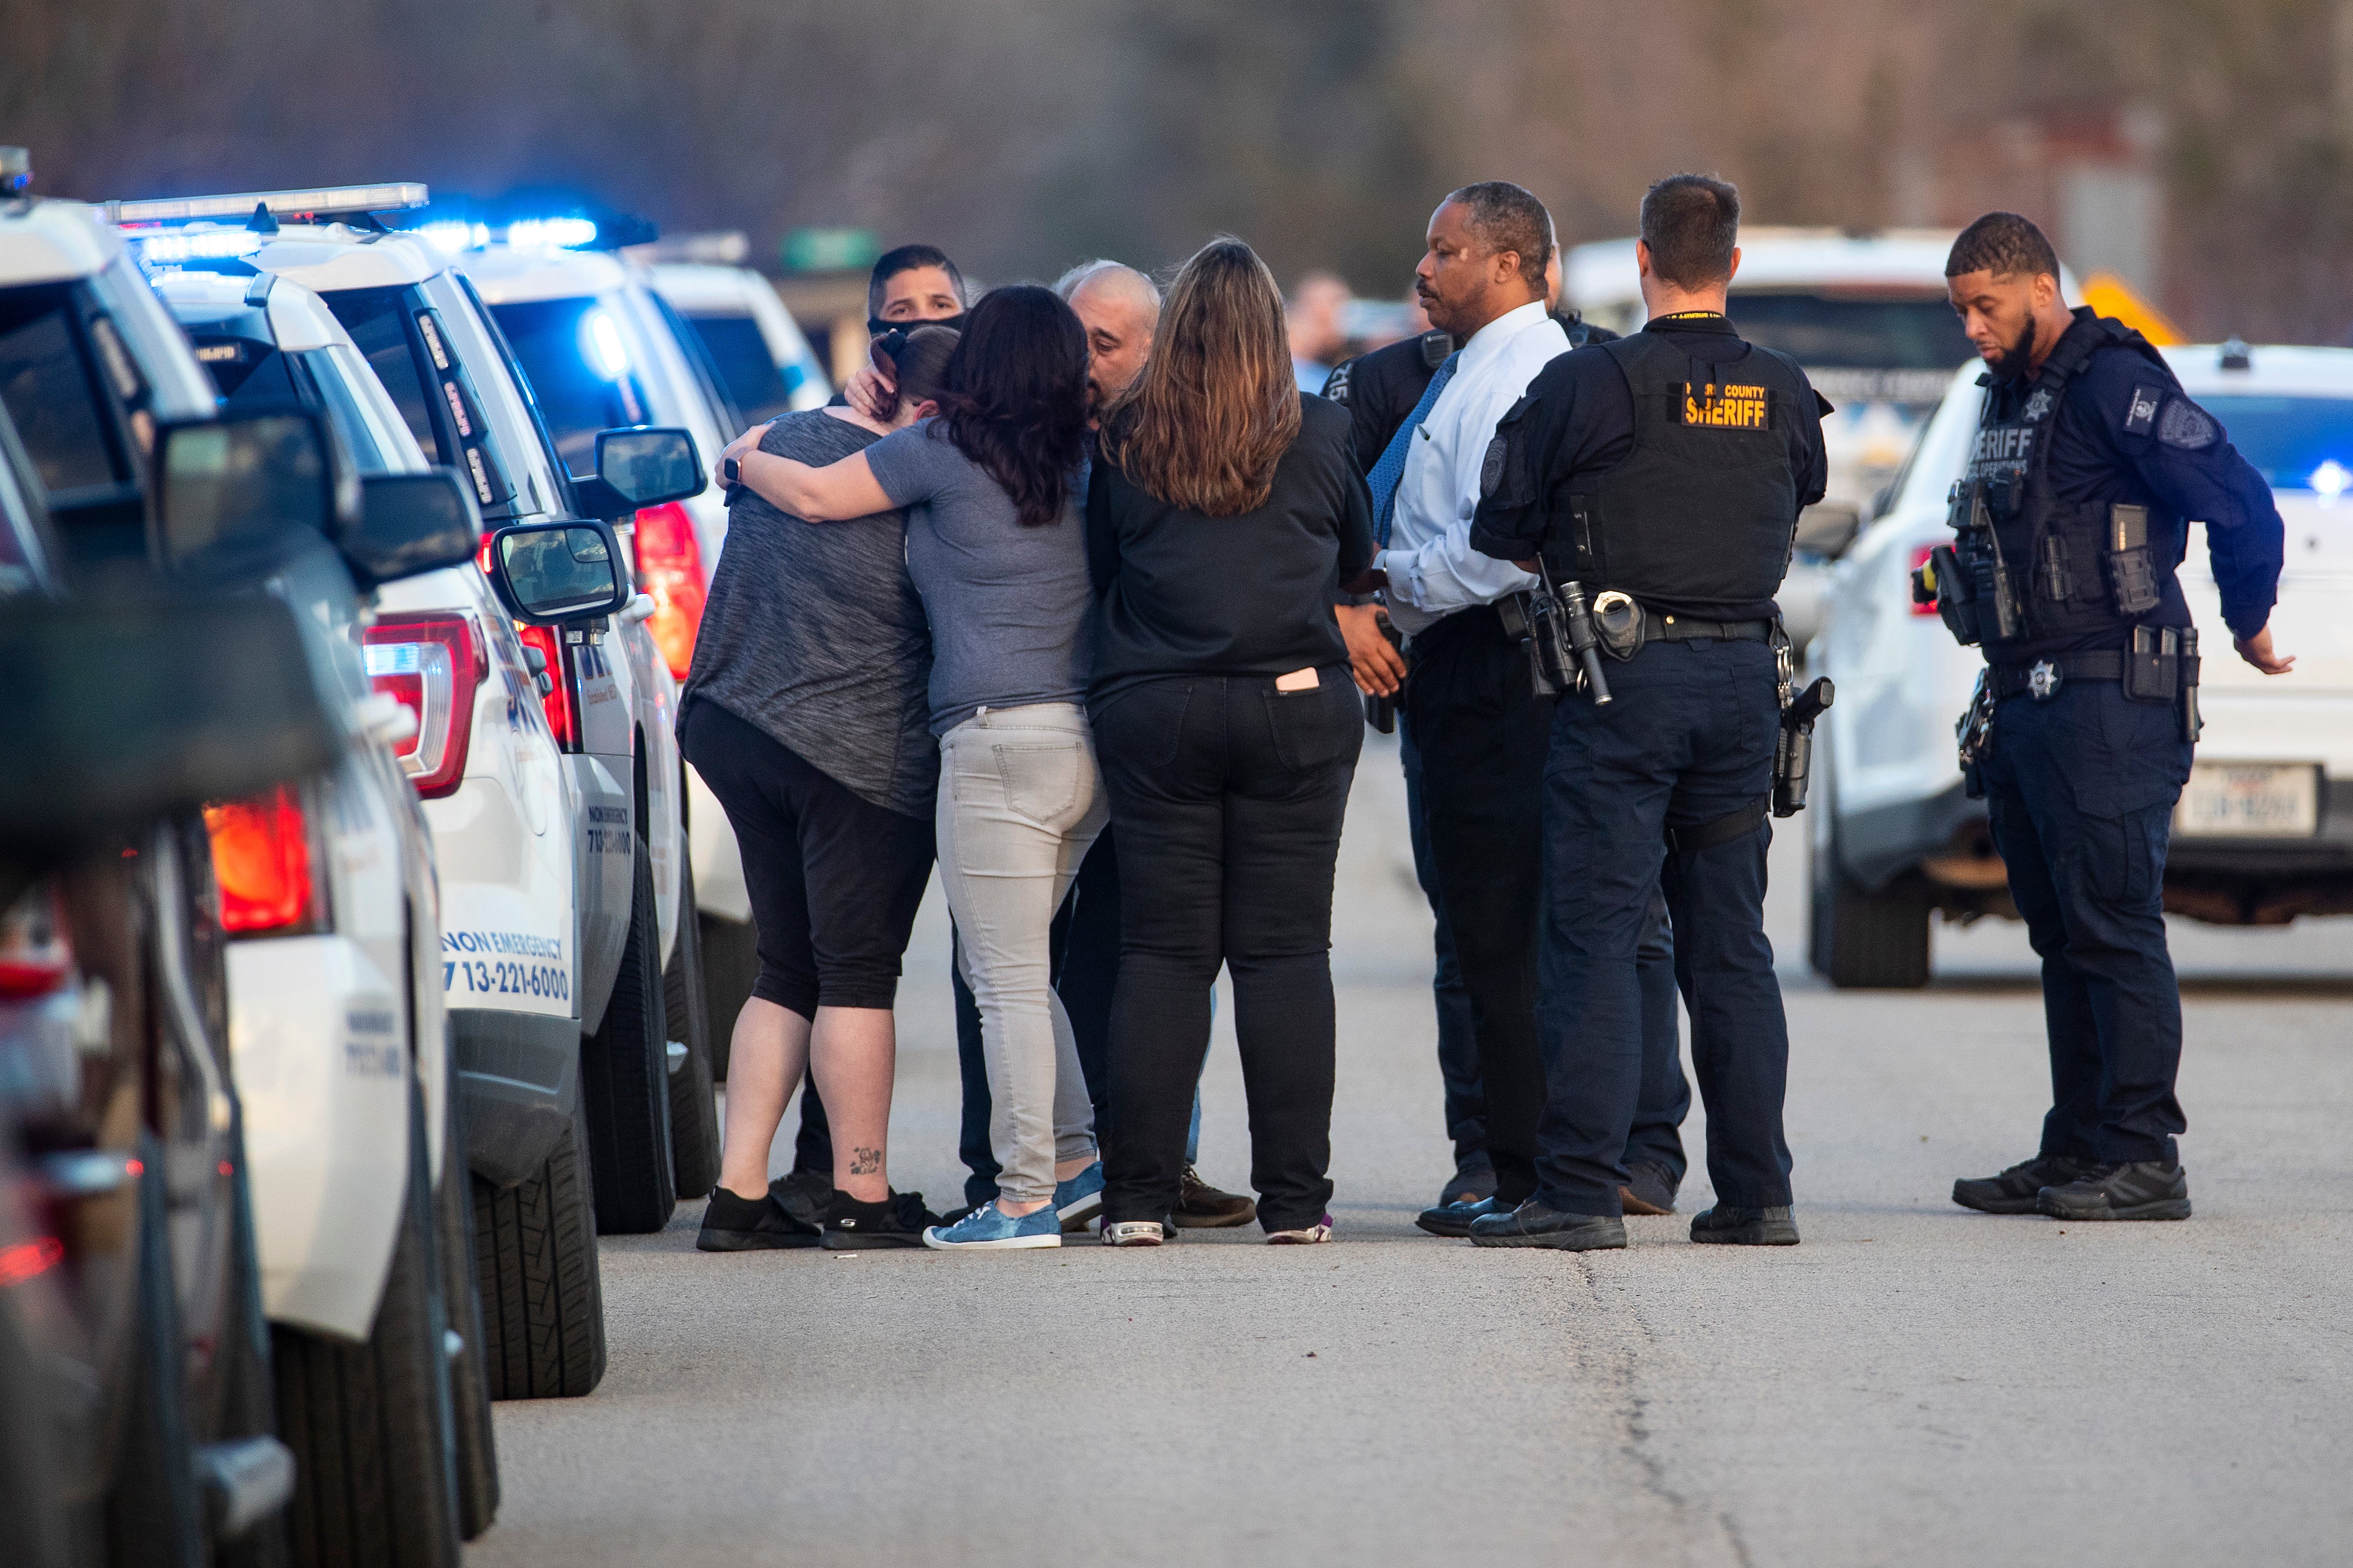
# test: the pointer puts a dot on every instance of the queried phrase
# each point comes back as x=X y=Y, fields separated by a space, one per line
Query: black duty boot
x=1455 y=1219
x=1649 y=1189
x=895 y=1221
x=1725 y=1225
x=2014 y=1190
x=731 y=1224
x=1535 y=1225
x=2143 y=1189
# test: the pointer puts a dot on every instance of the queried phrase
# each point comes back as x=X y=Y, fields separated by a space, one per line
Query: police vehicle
x=450 y=372
x=134 y=1367
x=338 y=1041
x=602 y=346
x=765 y=363
x=506 y=829
x=2264 y=830
x=1865 y=313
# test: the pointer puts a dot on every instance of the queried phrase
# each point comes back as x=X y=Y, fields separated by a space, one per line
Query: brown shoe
x=1200 y=1206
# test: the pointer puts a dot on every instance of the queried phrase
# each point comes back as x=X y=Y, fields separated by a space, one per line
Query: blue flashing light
x=2330 y=480
x=562 y=233
x=174 y=247
x=601 y=345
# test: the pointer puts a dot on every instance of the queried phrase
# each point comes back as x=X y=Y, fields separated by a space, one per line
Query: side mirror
x=1827 y=528
x=549 y=573
x=411 y=523
x=232 y=490
x=642 y=465
x=122 y=711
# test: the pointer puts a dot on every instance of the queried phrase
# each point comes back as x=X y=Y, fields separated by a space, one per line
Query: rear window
x=2296 y=443
x=47 y=384
x=376 y=320
x=741 y=354
x=1860 y=348
x=577 y=361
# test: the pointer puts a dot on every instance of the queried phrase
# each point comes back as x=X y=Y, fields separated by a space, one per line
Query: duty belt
x=2045 y=676
x=2160 y=665
x=1657 y=628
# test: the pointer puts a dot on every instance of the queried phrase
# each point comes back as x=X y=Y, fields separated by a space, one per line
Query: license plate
x=2249 y=800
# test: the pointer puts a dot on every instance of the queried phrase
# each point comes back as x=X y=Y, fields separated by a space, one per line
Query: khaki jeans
x=1020 y=800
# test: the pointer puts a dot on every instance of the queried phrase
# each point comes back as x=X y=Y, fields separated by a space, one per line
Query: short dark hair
x=2005 y=245
x=1692 y=224
x=1508 y=217
x=906 y=258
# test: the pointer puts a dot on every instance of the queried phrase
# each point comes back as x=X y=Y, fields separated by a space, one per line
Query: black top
x=1577 y=418
x=1249 y=594
x=2174 y=456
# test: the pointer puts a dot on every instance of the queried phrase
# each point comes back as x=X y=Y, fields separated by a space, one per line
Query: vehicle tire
x=1863 y=939
x=542 y=1297
x=625 y=1081
x=693 y=1107
x=370 y=1425
x=469 y=1389
x=154 y=1511
x=730 y=963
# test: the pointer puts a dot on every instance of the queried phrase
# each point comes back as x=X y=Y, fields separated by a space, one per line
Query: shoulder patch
x=2186 y=426
x=1490 y=467
x=2140 y=411
x=1335 y=386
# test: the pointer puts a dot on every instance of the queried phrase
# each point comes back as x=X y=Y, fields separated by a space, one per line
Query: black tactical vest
x=1704 y=511
x=2037 y=568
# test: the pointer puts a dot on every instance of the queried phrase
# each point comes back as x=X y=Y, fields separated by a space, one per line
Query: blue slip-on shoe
x=990 y=1229
x=1079 y=1200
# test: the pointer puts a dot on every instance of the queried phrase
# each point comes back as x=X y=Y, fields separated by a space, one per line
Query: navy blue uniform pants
x=2081 y=790
x=1688 y=740
x=1458 y=1046
x=1483 y=737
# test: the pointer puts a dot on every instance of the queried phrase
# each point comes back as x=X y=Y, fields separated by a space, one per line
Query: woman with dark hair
x=996 y=549
x=1224 y=510
x=804 y=712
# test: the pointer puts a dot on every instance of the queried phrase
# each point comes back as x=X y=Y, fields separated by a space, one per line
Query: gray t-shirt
x=813 y=635
x=1011 y=609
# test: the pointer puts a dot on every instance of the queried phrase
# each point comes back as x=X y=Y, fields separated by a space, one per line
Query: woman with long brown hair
x=1224 y=510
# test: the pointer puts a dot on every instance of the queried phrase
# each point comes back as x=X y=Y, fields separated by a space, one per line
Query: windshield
x=739 y=350
x=2296 y=443
x=577 y=361
x=1855 y=331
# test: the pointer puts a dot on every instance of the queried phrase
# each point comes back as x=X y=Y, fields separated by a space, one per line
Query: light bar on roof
x=323 y=200
x=526 y=233
x=170 y=249
x=728 y=248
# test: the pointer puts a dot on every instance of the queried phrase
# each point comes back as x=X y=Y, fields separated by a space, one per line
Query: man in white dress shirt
x=1473 y=713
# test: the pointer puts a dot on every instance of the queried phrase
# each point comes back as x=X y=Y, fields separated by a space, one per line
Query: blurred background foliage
x=2207 y=143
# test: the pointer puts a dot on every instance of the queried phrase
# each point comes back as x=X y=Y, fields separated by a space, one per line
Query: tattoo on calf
x=865 y=1162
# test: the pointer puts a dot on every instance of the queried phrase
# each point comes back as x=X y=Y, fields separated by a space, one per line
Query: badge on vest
x=1727 y=407
x=2037 y=405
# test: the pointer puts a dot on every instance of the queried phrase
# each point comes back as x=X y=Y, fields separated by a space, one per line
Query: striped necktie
x=1391 y=467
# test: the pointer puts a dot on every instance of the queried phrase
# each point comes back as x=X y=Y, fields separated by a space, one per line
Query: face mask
x=876 y=326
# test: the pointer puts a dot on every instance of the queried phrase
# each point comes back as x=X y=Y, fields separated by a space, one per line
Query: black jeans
x=1484 y=735
x=1085 y=941
x=2081 y=790
x=1688 y=740
x=1458 y=1042
x=1226 y=795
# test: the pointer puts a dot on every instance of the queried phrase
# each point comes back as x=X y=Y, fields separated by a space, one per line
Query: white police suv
x=2264 y=830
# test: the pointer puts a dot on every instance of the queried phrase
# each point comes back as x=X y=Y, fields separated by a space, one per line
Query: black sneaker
x=898 y=1220
x=2013 y=1191
x=731 y=1224
x=2143 y=1189
x=1725 y=1225
x=1475 y=1178
x=1649 y=1189
x=803 y=1195
x=1533 y=1224
x=1455 y=1219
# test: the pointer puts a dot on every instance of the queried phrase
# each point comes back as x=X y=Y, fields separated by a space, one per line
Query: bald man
x=1120 y=308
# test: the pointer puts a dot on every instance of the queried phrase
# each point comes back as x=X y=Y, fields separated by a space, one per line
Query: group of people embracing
x=1047 y=601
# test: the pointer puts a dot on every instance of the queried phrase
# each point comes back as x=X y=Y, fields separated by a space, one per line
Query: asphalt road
x=1913 y=1385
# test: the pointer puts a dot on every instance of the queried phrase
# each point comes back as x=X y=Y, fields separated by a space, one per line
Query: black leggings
x=1227 y=796
x=835 y=879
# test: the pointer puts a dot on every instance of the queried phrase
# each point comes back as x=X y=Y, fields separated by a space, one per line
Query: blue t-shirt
x=1011 y=608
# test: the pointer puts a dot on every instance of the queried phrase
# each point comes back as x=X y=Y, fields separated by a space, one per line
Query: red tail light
x=29 y=1260
x=1919 y=558
x=35 y=956
x=558 y=700
x=670 y=567
x=261 y=858
x=432 y=664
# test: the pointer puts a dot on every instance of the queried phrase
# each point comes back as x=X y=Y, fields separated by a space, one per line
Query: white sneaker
x=1132 y=1232
x=1319 y=1232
